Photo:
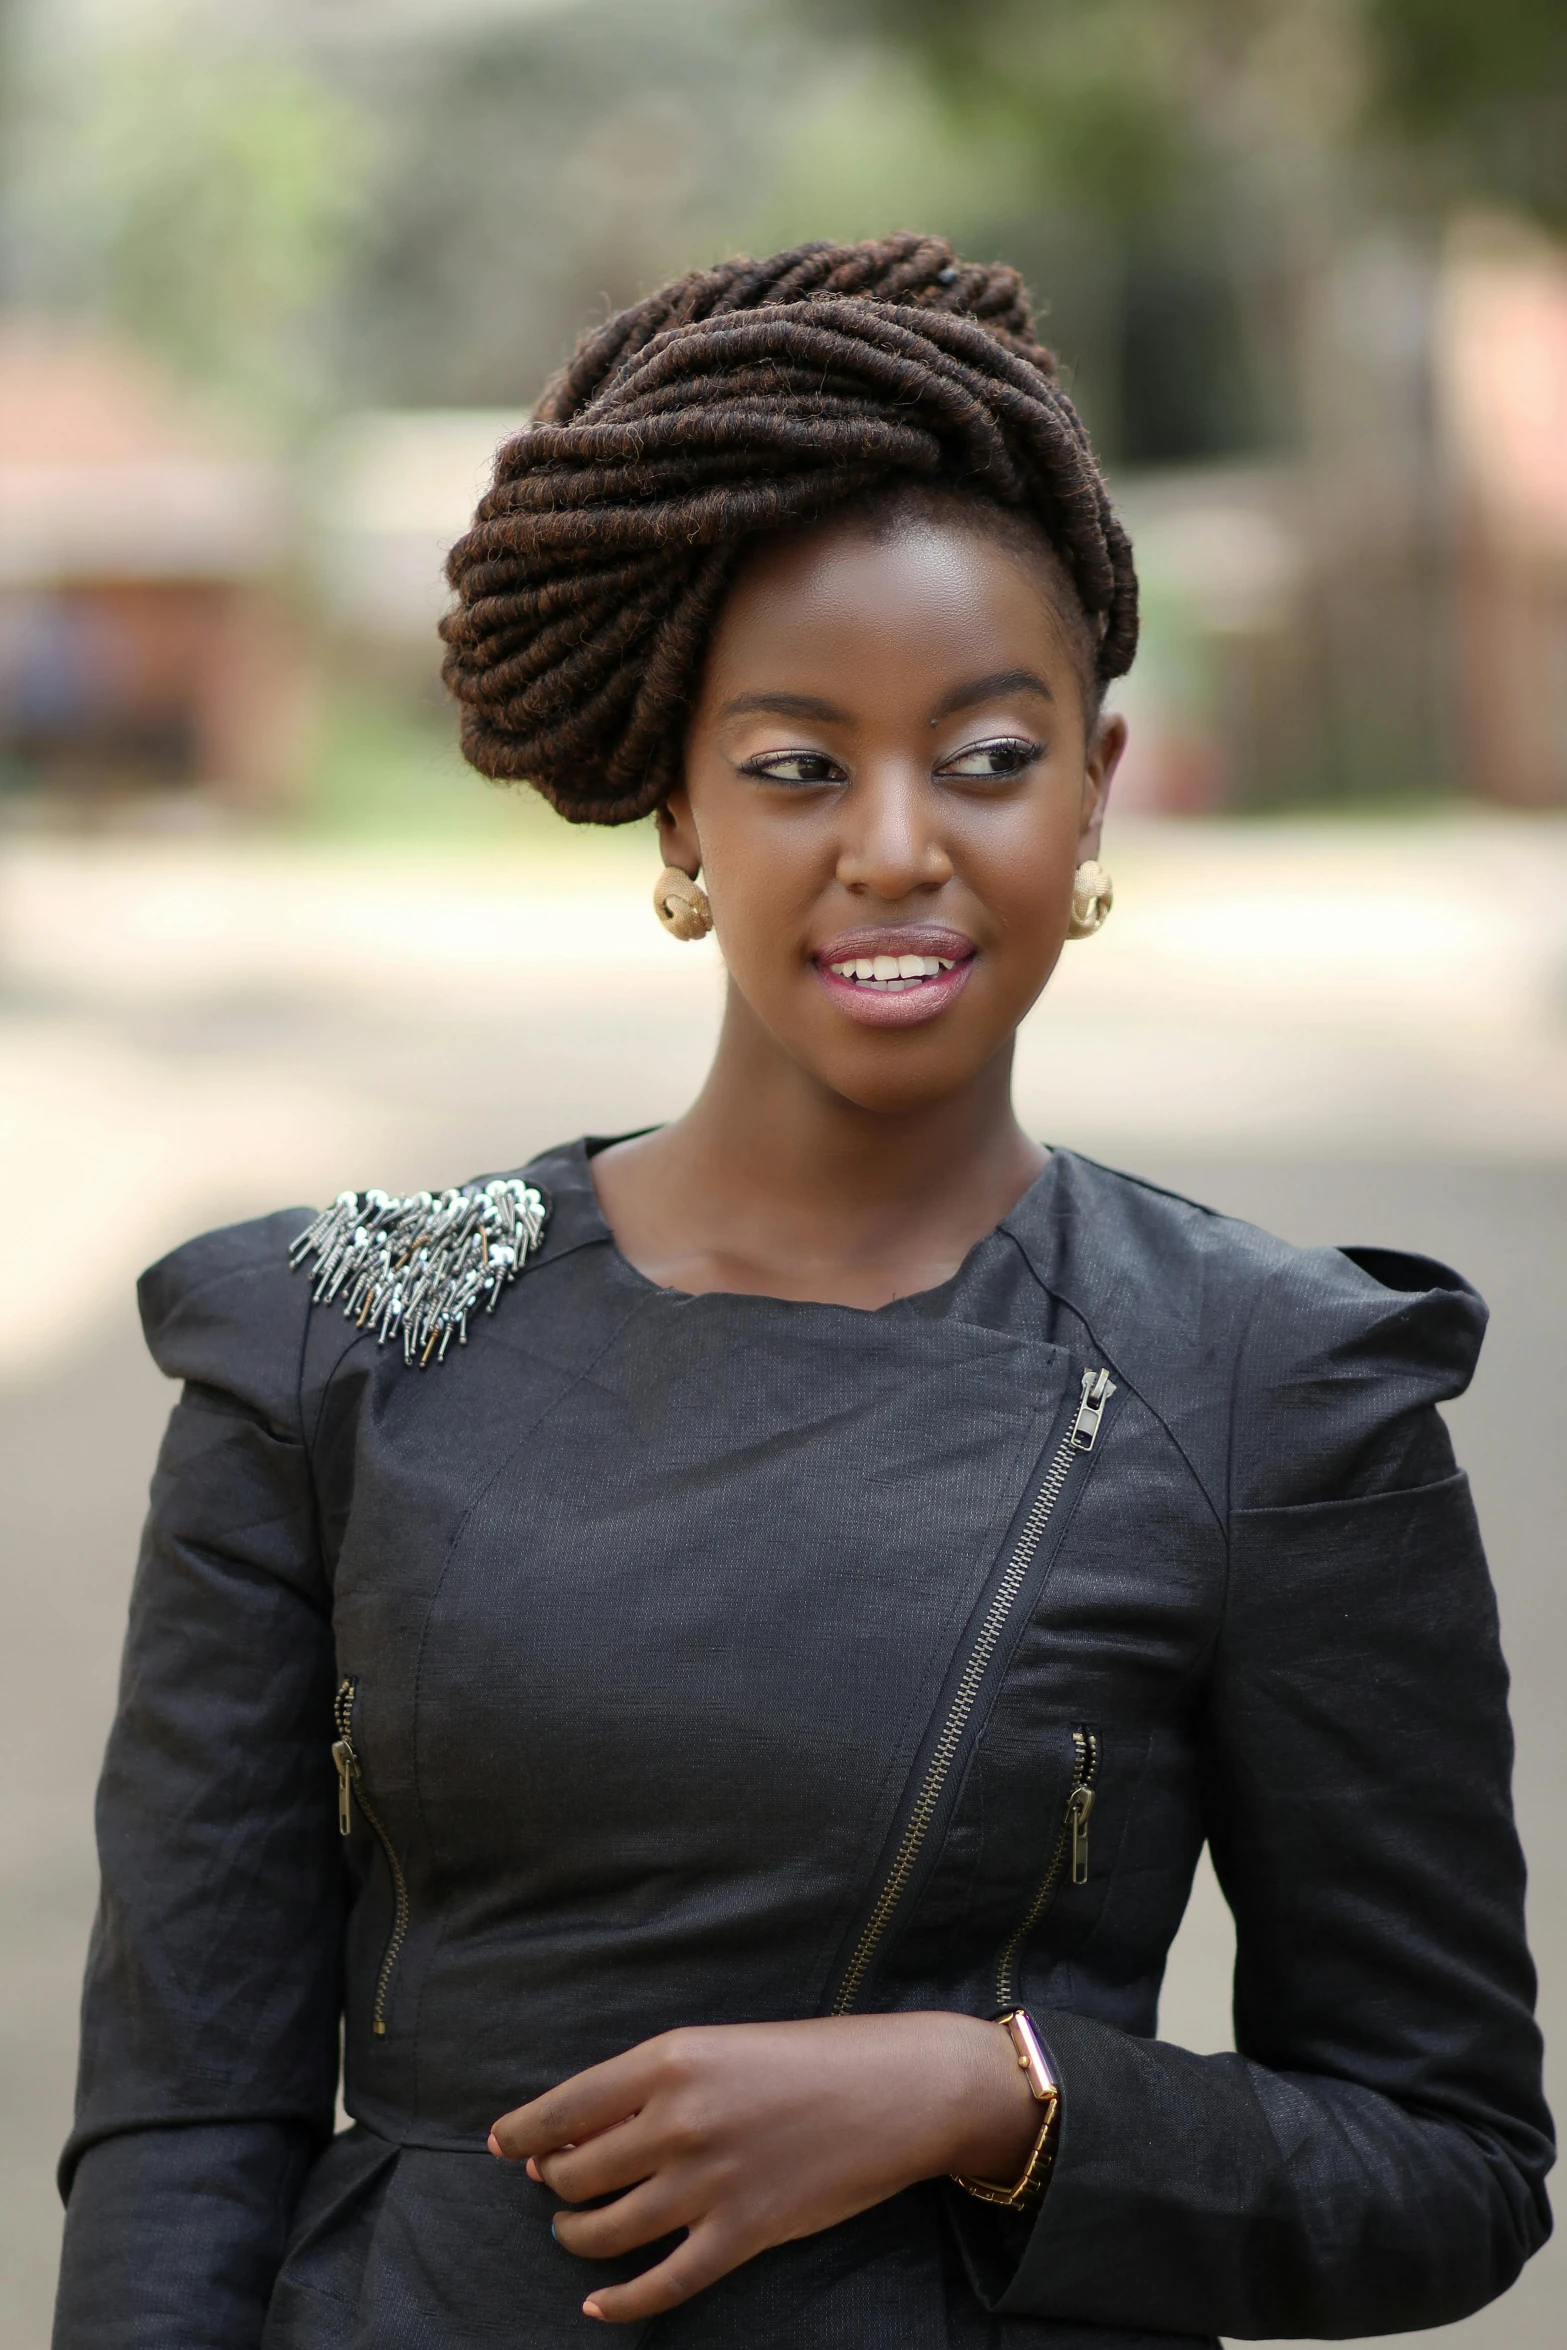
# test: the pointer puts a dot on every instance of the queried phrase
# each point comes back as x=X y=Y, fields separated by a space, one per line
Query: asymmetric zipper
x=1080 y=1437
x=351 y=1790
x=1072 y=1841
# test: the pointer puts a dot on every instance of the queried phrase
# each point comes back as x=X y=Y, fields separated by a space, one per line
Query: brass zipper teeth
x=935 y=1779
x=1085 y=1769
x=350 y=1772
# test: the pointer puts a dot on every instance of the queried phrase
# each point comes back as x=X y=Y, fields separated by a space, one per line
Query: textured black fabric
x=649 y=1603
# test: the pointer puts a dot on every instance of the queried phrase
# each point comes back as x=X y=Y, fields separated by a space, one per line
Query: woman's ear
x=677 y=834
x=1103 y=756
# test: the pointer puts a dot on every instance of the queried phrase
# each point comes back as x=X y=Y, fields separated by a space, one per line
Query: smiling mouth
x=898 y=976
x=891 y=974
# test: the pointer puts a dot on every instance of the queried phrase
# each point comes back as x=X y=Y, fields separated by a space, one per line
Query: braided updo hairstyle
x=735 y=401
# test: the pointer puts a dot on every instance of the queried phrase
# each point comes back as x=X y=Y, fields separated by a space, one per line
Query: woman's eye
x=1007 y=757
x=794 y=767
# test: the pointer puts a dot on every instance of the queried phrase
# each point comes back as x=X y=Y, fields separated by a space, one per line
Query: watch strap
x=1032 y=2061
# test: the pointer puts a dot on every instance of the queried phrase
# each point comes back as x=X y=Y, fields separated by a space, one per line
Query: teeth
x=891 y=973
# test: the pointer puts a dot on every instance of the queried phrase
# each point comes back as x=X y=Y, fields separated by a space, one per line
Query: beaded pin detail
x=421 y=1265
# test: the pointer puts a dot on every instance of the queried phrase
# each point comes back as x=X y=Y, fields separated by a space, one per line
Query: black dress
x=717 y=1658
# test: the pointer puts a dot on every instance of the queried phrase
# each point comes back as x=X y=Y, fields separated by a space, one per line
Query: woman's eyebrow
x=781 y=706
x=986 y=689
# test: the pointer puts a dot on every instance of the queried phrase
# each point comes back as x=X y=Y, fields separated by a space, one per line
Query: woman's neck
x=772 y=1185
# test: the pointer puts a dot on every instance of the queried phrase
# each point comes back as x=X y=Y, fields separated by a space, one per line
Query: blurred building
x=392 y=489
x=1502 y=378
x=1383 y=613
x=1217 y=698
x=143 y=643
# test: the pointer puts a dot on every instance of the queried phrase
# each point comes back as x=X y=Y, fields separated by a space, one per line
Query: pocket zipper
x=1080 y=1437
x=351 y=1789
x=1072 y=1841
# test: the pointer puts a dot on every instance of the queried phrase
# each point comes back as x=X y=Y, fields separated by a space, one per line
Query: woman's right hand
x=749 y=2135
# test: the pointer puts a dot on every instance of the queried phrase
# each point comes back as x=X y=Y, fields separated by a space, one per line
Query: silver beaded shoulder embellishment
x=421 y=1265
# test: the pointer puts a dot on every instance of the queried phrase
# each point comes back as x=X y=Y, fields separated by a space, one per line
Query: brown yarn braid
x=734 y=401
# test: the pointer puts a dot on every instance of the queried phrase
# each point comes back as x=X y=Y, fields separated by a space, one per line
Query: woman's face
x=888 y=788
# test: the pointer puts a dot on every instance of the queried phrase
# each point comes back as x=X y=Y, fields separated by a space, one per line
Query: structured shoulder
x=1189 y=1272
x=224 y=1312
x=1344 y=1356
x=1255 y=1353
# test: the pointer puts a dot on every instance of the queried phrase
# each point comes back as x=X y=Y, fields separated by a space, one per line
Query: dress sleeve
x=1373 y=2157
x=210 y=2014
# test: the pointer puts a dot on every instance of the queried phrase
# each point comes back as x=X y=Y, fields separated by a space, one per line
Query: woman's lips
x=895 y=978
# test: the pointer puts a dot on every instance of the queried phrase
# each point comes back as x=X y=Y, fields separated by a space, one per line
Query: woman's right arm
x=210 y=2015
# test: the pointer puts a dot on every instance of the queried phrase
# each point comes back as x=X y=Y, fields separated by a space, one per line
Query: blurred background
x=274 y=282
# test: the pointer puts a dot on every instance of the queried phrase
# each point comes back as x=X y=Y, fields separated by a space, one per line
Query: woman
x=771 y=1682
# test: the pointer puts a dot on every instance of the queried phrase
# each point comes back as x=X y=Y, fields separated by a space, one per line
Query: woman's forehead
x=913 y=601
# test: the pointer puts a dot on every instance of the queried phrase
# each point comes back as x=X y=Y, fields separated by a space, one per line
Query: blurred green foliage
x=309 y=207
x=1092 y=102
x=1469 y=99
x=552 y=165
x=381 y=766
x=543 y=168
x=387 y=769
x=223 y=190
x=199 y=192
x=1482 y=92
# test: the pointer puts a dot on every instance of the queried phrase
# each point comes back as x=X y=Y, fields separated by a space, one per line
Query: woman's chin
x=898 y=1073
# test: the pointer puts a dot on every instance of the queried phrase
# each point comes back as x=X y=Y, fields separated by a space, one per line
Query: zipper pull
x=1079 y=1805
x=1098 y=1387
x=343 y=1754
x=347 y=1772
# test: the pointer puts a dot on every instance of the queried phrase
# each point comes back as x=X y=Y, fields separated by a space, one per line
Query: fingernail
x=495 y=2147
x=533 y=2172
x=554 y=2239
x=591 y=2309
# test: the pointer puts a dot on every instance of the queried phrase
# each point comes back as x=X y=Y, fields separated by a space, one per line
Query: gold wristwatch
x=1031 y=2060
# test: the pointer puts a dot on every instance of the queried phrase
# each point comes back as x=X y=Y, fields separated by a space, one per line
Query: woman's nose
x=891 y=844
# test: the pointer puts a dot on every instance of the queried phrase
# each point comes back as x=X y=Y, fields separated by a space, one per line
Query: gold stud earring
x=681 y=904
x=1093 y=894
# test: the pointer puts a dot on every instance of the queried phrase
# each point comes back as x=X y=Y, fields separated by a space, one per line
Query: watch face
x=1030 y=2056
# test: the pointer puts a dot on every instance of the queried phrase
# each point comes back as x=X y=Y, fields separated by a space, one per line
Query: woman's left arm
x=1373 y=2159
